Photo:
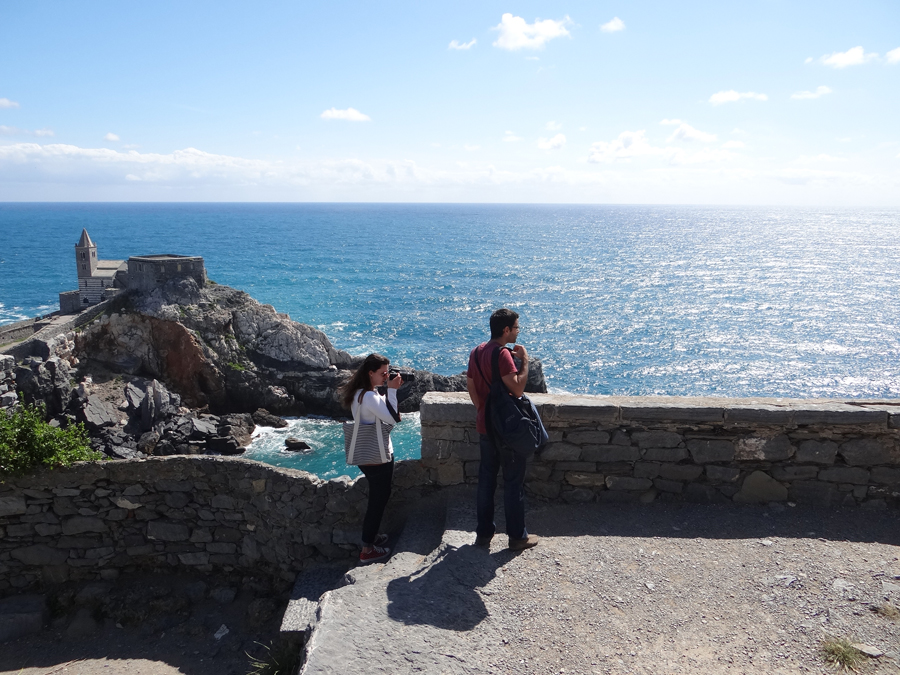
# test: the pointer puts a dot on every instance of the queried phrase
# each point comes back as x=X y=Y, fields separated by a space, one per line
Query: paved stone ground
x=624 y=589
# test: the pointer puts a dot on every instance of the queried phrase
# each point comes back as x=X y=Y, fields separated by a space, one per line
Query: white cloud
x=553 y=126
x=731 y=96
x=110 y=137
x=629 y=144
x=612 y=26
x=809 y=59
x=15 y=131
x=820 y=91
x=461 y=45
x=554 y=143
x=739 y=131
x=471 y=148
x=685 y=132
x=6 y=103
x=817 y=159
x=516 y=33
x=511 y=137
x=350 y=114
x=736 y=145
x=891 y=57
x=671 y=122
x=852 y=57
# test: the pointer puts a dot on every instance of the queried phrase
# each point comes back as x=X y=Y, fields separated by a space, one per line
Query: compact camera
x=393 y=374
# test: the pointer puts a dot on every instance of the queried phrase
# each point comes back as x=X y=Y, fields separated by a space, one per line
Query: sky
x=759 y=103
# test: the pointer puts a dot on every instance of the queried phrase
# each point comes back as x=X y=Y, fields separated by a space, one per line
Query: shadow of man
x=444 y=595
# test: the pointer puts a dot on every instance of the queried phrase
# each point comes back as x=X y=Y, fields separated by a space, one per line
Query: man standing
x=504 y=330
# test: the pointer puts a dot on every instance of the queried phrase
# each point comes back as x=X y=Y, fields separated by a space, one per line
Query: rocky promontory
x=186 y=369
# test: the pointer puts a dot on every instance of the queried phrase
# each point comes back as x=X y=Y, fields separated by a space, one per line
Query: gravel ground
x=695 y=589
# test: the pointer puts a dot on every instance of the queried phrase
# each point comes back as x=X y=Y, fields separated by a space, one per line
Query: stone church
x=100 y=280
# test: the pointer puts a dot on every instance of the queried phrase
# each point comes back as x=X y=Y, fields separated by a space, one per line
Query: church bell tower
x=85 y=256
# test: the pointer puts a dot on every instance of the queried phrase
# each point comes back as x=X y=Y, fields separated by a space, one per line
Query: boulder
x=264 y=418
x=292 y=443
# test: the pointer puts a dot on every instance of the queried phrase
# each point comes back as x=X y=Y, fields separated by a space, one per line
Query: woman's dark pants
x=379 y=477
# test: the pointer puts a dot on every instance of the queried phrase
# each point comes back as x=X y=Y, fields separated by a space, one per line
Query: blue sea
x=636 y=300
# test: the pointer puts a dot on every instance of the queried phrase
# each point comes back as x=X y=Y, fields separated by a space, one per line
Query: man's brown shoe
x=521 y=544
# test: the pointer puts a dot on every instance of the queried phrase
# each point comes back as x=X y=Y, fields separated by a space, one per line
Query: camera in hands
x=405 y=377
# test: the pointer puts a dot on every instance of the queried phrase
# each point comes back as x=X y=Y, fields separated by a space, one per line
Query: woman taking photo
x=368 y=443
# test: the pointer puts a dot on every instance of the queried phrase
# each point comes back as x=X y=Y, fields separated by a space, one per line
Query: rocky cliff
x=219 y=348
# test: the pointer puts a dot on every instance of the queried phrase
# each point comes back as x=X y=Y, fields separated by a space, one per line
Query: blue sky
x=592 y=102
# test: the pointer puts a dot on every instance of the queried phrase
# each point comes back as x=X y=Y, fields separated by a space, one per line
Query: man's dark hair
x=502 y=318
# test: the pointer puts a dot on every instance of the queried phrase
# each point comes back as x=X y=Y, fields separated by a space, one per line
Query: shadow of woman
x=444 y=594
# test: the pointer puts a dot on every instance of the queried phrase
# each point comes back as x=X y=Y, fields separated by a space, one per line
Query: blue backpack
x=512 y=423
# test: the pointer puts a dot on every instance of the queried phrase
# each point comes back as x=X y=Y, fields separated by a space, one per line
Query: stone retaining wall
x=696 y=449
x=207 y=513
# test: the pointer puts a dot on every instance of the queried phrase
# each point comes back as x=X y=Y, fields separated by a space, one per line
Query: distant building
x=99 y=280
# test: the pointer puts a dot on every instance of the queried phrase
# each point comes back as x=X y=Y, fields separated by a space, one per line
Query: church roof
x=85 y=240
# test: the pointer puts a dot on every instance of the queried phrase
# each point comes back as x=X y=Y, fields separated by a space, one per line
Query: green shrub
x=236 y=366
x=28 y=441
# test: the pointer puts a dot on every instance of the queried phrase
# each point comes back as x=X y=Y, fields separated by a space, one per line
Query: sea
x=616 y=300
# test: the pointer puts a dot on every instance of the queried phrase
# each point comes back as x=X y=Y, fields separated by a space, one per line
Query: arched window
x=83 y=255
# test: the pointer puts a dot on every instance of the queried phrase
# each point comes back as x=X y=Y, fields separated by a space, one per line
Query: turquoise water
x=627 y=300
x=325 y=437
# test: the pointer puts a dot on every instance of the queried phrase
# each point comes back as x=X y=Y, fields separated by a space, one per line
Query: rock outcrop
x=220 y=348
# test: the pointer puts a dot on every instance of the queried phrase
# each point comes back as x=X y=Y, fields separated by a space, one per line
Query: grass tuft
x=840 y=652
x=888 y=610
x=282 y=658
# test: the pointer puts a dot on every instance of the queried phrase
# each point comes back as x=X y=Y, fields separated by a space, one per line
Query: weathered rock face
x=218 y=347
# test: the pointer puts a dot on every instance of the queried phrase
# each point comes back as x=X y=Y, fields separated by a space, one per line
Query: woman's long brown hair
x=360 y=379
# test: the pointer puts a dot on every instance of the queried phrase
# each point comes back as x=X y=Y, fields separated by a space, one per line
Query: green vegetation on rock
x=27 y=441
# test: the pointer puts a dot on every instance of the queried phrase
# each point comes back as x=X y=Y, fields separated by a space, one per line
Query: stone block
x=78 y=542
x=665 y=454
x=646 y=469
x=619 y=437
x=648 y=409
x=575 y=410
x=760 y=488
x=565 y=452
x=791 y=473
x=886 y=476
x=721 y=474
x=169 y=485
x=220 y=501
x=764 y=449
x=813 y=492
x=706 y=451
x=466 y=452
x=615 y=468
x=22 y=615
x=579 y=479
x=222 y=547
x=543 y=488
x=837 y=413
x=816 y=452
x=535 y=471
x=685 y=472
x=20 y=530
x=589 y=437
x=12 y=505
x=628 y=483
x=867 y=452
x=134 y=490
x=434 y=448
x=610 y=453
x=589 y=467
x=162 y=530
x=81 y=524
x=450 y=473
x=840 y=474
x=448 y=433
x=194 y=558
x=664 y=485
x=471 y=469
x=47 y=529
x=656 y=439
x=39 y=555
x=758 y=414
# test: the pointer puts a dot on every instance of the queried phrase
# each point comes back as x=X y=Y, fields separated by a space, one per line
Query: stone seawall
x=210 y=514
x=696 y=449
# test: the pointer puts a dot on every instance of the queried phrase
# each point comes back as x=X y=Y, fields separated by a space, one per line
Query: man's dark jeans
x=513 y=490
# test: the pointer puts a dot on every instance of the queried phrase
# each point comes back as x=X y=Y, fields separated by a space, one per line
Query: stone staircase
x=411 y=614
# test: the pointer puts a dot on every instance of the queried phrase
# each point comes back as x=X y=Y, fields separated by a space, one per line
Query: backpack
x=512 y=423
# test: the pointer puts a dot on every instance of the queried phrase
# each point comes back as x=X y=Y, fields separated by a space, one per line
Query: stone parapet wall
x=210 y=514
x=697 y=449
